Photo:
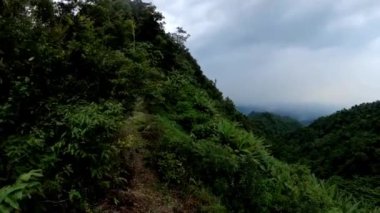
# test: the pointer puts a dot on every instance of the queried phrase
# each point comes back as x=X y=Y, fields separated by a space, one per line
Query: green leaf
x=13 y=203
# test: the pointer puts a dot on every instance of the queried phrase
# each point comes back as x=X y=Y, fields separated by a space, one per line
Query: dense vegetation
x=345 y=144
x=270 y=125
x=84 y=83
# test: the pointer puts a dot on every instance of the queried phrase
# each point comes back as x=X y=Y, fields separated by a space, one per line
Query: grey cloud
x=269 y=52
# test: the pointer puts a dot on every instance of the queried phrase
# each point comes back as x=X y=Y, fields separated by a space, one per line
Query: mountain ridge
x=304 y=113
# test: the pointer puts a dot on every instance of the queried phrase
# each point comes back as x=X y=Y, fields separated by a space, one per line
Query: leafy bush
x=80 y=157
x=170 y=168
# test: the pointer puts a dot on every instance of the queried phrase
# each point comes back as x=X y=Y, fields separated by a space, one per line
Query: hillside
x=270 y=125
x=101 y=110
x=345 y=144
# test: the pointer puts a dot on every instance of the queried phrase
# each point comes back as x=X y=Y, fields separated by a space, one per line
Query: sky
x=284 y=52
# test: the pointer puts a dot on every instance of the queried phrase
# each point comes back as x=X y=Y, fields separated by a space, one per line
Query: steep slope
x=73 y=76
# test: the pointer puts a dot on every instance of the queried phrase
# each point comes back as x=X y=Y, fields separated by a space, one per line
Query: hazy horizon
x=293 y=52
x=301 y=112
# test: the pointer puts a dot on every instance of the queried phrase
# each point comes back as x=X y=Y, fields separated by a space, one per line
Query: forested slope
x=345 y=144
x=87 y=84
x=271 y=125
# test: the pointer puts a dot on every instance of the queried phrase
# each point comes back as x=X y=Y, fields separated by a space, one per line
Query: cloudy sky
x=273 y=52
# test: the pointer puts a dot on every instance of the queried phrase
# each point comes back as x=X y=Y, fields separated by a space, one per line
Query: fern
x=25 y=185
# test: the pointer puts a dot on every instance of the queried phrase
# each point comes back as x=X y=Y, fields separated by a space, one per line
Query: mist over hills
x=304 y=113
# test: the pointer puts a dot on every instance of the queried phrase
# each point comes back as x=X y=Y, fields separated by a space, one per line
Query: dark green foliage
x=235 y=166
x=271 y=125
x=364 y=188
x=346 y=143
x=69 y=76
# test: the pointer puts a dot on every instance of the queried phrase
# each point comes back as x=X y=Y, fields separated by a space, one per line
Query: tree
x=180 y=36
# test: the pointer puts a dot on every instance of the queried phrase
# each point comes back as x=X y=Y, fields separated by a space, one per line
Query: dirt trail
x=143 y=194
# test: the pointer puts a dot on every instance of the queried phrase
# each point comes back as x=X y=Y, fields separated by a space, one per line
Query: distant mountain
x=246 y=109
x=304 y=113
